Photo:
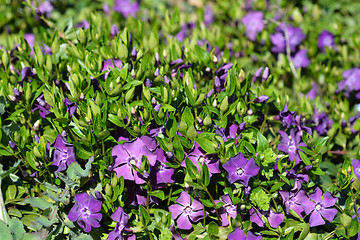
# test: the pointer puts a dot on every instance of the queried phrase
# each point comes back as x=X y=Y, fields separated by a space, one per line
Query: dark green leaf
x=145 y=216
x=206 y=145
x=305 y=159
x=262 y=143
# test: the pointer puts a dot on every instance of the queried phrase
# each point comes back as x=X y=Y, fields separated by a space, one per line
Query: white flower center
x=317 y=207
x=201 y=159
x=240 y=171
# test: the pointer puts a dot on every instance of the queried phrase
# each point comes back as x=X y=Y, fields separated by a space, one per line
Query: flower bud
x=12 y=145
x=157 y=59
x=36 y=124
x=82 y=96
x=224 y=105
x=214 y=104
x=207 y=121
x=153 y=101
x=199 y=121
x=133 y=54
x=108 y=190
x=133 y=111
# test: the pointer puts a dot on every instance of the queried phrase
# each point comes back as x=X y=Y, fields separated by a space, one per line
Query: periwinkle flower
x=13 y=146
x=322 y=122
x=41 y=105
x=240 y=169
x=114 y=31
x=126 y=7
x=46 y=8
x=326 y=39
x=208 y=15
x=227 y=211
x=161 y=174
x=238 y=234
x=300 y=126
x=351 y=80
x=278 y=39
x=26 y=73
x=320 y=207
x=290 y=145
x=257 y=74
x=85 y=211
x=130 y=153
x=71 y=107
x=313 y=93
x=300 y=59
x=253 y=22
x=261 y=99
x=199 y=157
x=110 y=63
x=295 y=199
x=122 y=219
x=287 y=117
x=63 y=155
x=274 y=218
x=356 y=166
x=186 y=210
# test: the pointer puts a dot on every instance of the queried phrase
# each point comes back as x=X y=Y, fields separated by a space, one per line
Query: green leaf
x=205 y=174
x=260 y=198
x=191 y=168
x=202 y=55
x=213 y=228
x=354 y=228
x=158 y=193
x=262 y=143
x=166 y=234
x=320 y=143
x=5 y=231
x=16 y=228
x=276 y=186
x=305 y=231
x=2 y=105
x=206 y=145
x=44 y=221
x=305 y=159
x=187 y=117
x=39 y=202
x=145 y=216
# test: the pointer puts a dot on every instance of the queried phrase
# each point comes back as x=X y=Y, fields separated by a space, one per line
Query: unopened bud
x=153 y=101
x=207 y=121
x=133 y=112
x=133 y=74
x=199 y=121
x=215 y=59
x=82 y=96
x=36 y=125
x=214 y=103
x=133 y=54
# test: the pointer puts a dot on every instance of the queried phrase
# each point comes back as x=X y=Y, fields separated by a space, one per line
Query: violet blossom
x=356 y=166
x=274 y=218
x=186 y=210
x=110 y=63
x=199 y=157
x=326 y=39
x=322 y=122
x=253 y=22
x=63 y=155
x=208 y=15
x=161 y=174
x=278 y=39
x=300 y=59
x=126 y=7
x=71 y=107
x=227 y=211
x=41 y=105
x=351 y=81
x=240 y=169
x=290 y=145
x=85 y=211
x=320 y=207
x=287 y=117
x=130 y=153
x=238 y=234
x=295 y=199
x=122 y=219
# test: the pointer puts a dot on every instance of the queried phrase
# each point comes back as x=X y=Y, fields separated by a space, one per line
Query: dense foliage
x=191 y=120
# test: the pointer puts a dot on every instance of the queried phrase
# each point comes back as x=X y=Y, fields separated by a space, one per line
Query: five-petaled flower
x=240 y=169
x=253 y=22
x=186 y=210
x=85 y=211
x=320 y=207
x=290 y=145
x=64 y=153
x=227 y=211
x=130 y=154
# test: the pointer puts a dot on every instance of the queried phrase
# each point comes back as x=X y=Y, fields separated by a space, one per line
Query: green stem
x=213 y=202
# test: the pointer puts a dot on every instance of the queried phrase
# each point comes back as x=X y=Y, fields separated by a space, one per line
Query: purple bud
x=261 y=99
x=200 y=121
x=133 y=53
x=145 y=174
x=148 y=83
x=114 y=31
x=99 y=196
x=166 y=80
x=217 y=84
x=12 y=145
x=169 y=154
x=257 y=74
x=37 y=138
x=209 y=93
x=157 y=72
x=265 y=74
x=157 y=59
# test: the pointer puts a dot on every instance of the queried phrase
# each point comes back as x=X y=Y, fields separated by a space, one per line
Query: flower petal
x=316 y=219
x=175 y=210
x=328 y=213
x=329 y=200
x=316 y=196
x=183 y=222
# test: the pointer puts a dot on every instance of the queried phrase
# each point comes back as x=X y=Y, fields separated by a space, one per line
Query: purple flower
x=238 y=234
x=114 y=31
x=239 y=169
x=13 y=146
x=322 y=122
x=351 y=80
x=279 y=42
x=42 y=105
x=312 y=94
x=85 y=24
x=130 y=153
x=287 y=117
x=126 y=7
x=63 y=155
x=326 y=39
x=110 y=63
x=161 y=174
x=122 y=219
x=253 y=22
x=208 y=15
x=199 y=157
x=71 y=107
x=291 y=145
x=356 y=166
x=46 y=8
x=261 y=99
x=300 y=126
x=275 y=219
x=227 y=211
x=186 y=210
x=320 y=207
x=26 y=73
x=295 y=199
x=85 y=211
x=300 y=59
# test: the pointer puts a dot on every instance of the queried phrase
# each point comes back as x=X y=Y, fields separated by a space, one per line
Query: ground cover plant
x=179 y=120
